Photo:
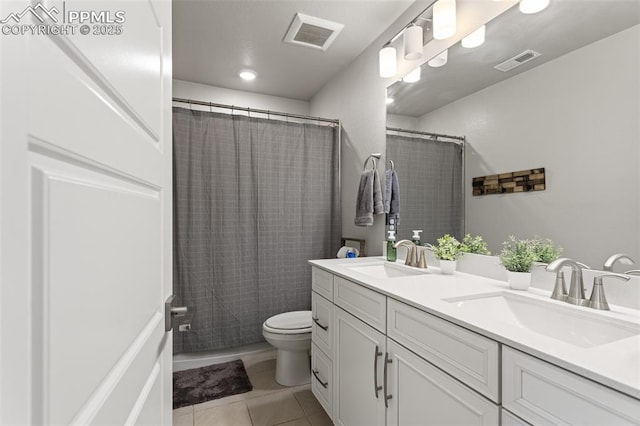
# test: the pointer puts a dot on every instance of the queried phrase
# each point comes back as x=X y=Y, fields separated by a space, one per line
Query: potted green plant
x=545 y=250
x=447 y=250
x=474 y=245
x=517 y=256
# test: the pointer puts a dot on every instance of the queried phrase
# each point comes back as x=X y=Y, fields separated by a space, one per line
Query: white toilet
x=290 y=333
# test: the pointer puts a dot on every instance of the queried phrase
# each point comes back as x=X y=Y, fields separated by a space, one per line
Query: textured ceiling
x=214 y=39
x=564 y=26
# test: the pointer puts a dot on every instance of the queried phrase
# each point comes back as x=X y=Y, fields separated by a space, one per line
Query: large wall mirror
x=573 y=110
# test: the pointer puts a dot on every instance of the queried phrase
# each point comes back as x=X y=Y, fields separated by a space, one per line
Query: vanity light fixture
x=413 y=42
x=474 y=39
x=387 y=60
x=247 y=75
x=444 y=19
x=533 y=6
x=413 y=76
x=440 y=60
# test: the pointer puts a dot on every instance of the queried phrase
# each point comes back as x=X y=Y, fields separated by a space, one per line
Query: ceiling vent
x=312 y=32
x=517 y=60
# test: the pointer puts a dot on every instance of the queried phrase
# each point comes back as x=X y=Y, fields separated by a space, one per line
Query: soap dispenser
x=416 y=237
x=391 y=250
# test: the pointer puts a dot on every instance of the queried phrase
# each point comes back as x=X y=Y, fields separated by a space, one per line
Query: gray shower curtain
x=254 y=199
x=431 y=195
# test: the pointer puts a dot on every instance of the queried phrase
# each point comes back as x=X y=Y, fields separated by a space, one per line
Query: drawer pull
x=387 y=361
x=376 y=388
x=317 y=321
x=315 y=374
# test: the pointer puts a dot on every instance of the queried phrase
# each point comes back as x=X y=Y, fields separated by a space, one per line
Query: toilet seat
x=296 y=322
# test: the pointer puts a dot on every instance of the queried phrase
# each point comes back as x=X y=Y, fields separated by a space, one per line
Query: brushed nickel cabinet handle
x=317 y=321
x=376 y=388
x=315 y=374
x=387 y=397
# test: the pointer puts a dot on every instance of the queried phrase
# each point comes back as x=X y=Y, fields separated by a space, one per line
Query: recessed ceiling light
x=389 y=101
x=247 y=75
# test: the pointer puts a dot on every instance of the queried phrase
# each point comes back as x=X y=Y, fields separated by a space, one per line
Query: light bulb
x=387 y=58
x=474 y=39
x=413 y=76
x=413 y=43
x=247 y=75
x=439 y=60
x=533 y=6
x=444 y=19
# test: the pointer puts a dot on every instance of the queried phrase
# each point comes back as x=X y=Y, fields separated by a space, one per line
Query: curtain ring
x=249 y=112
x=232 y=108
x=210 y=107
x=268 y=115
x=190 y=108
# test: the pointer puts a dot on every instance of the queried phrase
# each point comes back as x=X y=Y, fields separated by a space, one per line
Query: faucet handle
x=598 y=299
x=633 y=272
x=583 y=266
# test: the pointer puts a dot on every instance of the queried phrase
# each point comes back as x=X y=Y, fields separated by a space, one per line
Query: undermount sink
x=569 y=324
x=388 y=270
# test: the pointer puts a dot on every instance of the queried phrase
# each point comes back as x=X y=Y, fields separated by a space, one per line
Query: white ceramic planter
x=448 y=267
x=519 y=280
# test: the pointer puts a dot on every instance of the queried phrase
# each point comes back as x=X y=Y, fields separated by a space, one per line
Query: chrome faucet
x=618 y=257
x=576 y=290
x=412 y=252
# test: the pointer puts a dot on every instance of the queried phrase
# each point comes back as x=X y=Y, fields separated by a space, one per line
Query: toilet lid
x=290 y=320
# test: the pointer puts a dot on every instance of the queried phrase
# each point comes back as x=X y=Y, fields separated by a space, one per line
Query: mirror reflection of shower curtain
x=431 y=194
x=254 y=199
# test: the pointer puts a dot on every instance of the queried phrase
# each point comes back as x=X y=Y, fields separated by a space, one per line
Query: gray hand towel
x=392 y=197
x=369 y=200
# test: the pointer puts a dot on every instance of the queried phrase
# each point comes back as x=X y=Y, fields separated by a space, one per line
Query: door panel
x=355 y=400
x=424 y=395
x=85 y=220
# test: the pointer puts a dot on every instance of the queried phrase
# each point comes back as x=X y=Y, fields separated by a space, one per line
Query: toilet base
x=293 y=368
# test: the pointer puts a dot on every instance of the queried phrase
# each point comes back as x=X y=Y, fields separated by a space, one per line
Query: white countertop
x=615 y=364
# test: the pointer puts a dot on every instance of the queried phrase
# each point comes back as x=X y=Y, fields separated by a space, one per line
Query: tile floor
x=268 y=404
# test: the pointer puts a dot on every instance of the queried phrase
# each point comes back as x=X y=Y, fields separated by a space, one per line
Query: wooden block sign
x=506 y=183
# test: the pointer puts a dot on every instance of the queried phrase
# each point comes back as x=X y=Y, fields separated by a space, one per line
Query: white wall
x=579 y=117
x=402 y=121
x=220 y=95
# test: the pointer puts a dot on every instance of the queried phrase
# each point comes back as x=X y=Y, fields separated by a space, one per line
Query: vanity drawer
x=366 y=305
x=467 y=356
x=322 y=282
x=542 y=393
x=508 y=419
x=322 y=325
x=321 y=378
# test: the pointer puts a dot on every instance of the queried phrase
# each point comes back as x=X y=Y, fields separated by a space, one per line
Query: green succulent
x=517 y=255
x=477 y=245
x=545 y=250
x=448 y=248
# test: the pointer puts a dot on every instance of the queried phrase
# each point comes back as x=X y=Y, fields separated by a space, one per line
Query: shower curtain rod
x=462 y=139
x=259 y=111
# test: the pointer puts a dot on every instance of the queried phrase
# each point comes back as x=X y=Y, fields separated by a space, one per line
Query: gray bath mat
x=210 y=382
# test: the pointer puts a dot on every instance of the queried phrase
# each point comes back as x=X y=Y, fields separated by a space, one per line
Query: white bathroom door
x=85 y=213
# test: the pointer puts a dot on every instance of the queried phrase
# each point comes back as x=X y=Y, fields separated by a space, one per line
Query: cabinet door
x=358 y=366
x=421 y=394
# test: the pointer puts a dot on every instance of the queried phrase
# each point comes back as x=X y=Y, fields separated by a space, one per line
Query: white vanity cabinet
x=542 y=393
x=377 y=381
x=385 y=362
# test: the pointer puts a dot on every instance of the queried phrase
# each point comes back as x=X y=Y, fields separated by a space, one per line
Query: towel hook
x=372 y=157
x=392 y=165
